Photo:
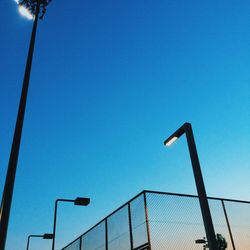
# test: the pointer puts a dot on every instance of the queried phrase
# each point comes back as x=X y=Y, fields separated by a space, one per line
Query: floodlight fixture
x=79 y=201
x=48 y=236
x=171 y=141
x=28 y=8
x=221 y=242
x=177 y=134
x=201 y=241
x=25 y=12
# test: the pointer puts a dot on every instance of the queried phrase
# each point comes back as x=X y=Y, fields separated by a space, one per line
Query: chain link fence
x=167 y=221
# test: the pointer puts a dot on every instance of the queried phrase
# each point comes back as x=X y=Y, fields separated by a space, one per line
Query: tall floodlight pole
x=32 y=9
x=186 y=128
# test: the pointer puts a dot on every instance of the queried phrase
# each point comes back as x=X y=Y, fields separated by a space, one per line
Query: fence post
x=130 y=227
x=228 y=225
x=106 y=234
x=147 y=222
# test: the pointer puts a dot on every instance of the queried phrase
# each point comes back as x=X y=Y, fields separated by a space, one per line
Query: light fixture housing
x=28 y=7
x=178 y=133
x=48 y=236
x=80 y=201
x=170 y=141
x=25 y=12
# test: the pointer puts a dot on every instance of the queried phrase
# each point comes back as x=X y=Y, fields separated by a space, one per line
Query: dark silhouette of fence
x=167 y=221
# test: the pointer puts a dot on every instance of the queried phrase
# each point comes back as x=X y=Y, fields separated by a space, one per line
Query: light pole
x=35 y=8
x=186 y=128
x=79 y=201
x=44 y=236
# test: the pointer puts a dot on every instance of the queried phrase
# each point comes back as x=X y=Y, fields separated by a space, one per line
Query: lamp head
x=170 y=141
x=201 y=241
x=48 y=236
x=80 y=201
x=28 y=8
x=178 y=133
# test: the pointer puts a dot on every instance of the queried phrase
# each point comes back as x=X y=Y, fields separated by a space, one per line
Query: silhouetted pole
x=209 y=228
x=206 y=215
x=79 y=201
x=11 y=172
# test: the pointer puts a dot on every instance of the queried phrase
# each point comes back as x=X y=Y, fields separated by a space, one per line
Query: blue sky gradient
x=110 y=81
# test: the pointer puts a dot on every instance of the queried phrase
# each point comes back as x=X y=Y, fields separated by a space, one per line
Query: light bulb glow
x=24 y=12
x=171 y=141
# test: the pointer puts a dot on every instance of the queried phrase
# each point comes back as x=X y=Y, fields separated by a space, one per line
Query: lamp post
x=44 y=236
x=186 y=128
x=79 y=201
x=36 y=9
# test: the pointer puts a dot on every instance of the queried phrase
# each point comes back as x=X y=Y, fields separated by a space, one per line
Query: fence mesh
x=95 y=238
x=165 y=221
x=138 y=222
x=118 y=230
x=239 y=220
x=175 y=222
x=74 y=245
x=219 y=221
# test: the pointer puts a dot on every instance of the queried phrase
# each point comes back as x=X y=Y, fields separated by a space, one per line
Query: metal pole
x=28 y=243
x=54 y=225
x=209 y=228
x=32 y=235
x=11 y=172
x=55 y=216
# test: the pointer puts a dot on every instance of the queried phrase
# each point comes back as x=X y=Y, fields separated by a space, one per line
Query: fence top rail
x=152 y=192
x=196 y=196
x=101 y=221
x=72 y=242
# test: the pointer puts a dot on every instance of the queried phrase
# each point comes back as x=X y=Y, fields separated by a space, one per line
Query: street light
x=186 y=128
x=37 y=9
x=44 y=236
x=79 y=201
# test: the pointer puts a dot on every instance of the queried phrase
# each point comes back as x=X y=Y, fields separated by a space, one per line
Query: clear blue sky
x=110 y=81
